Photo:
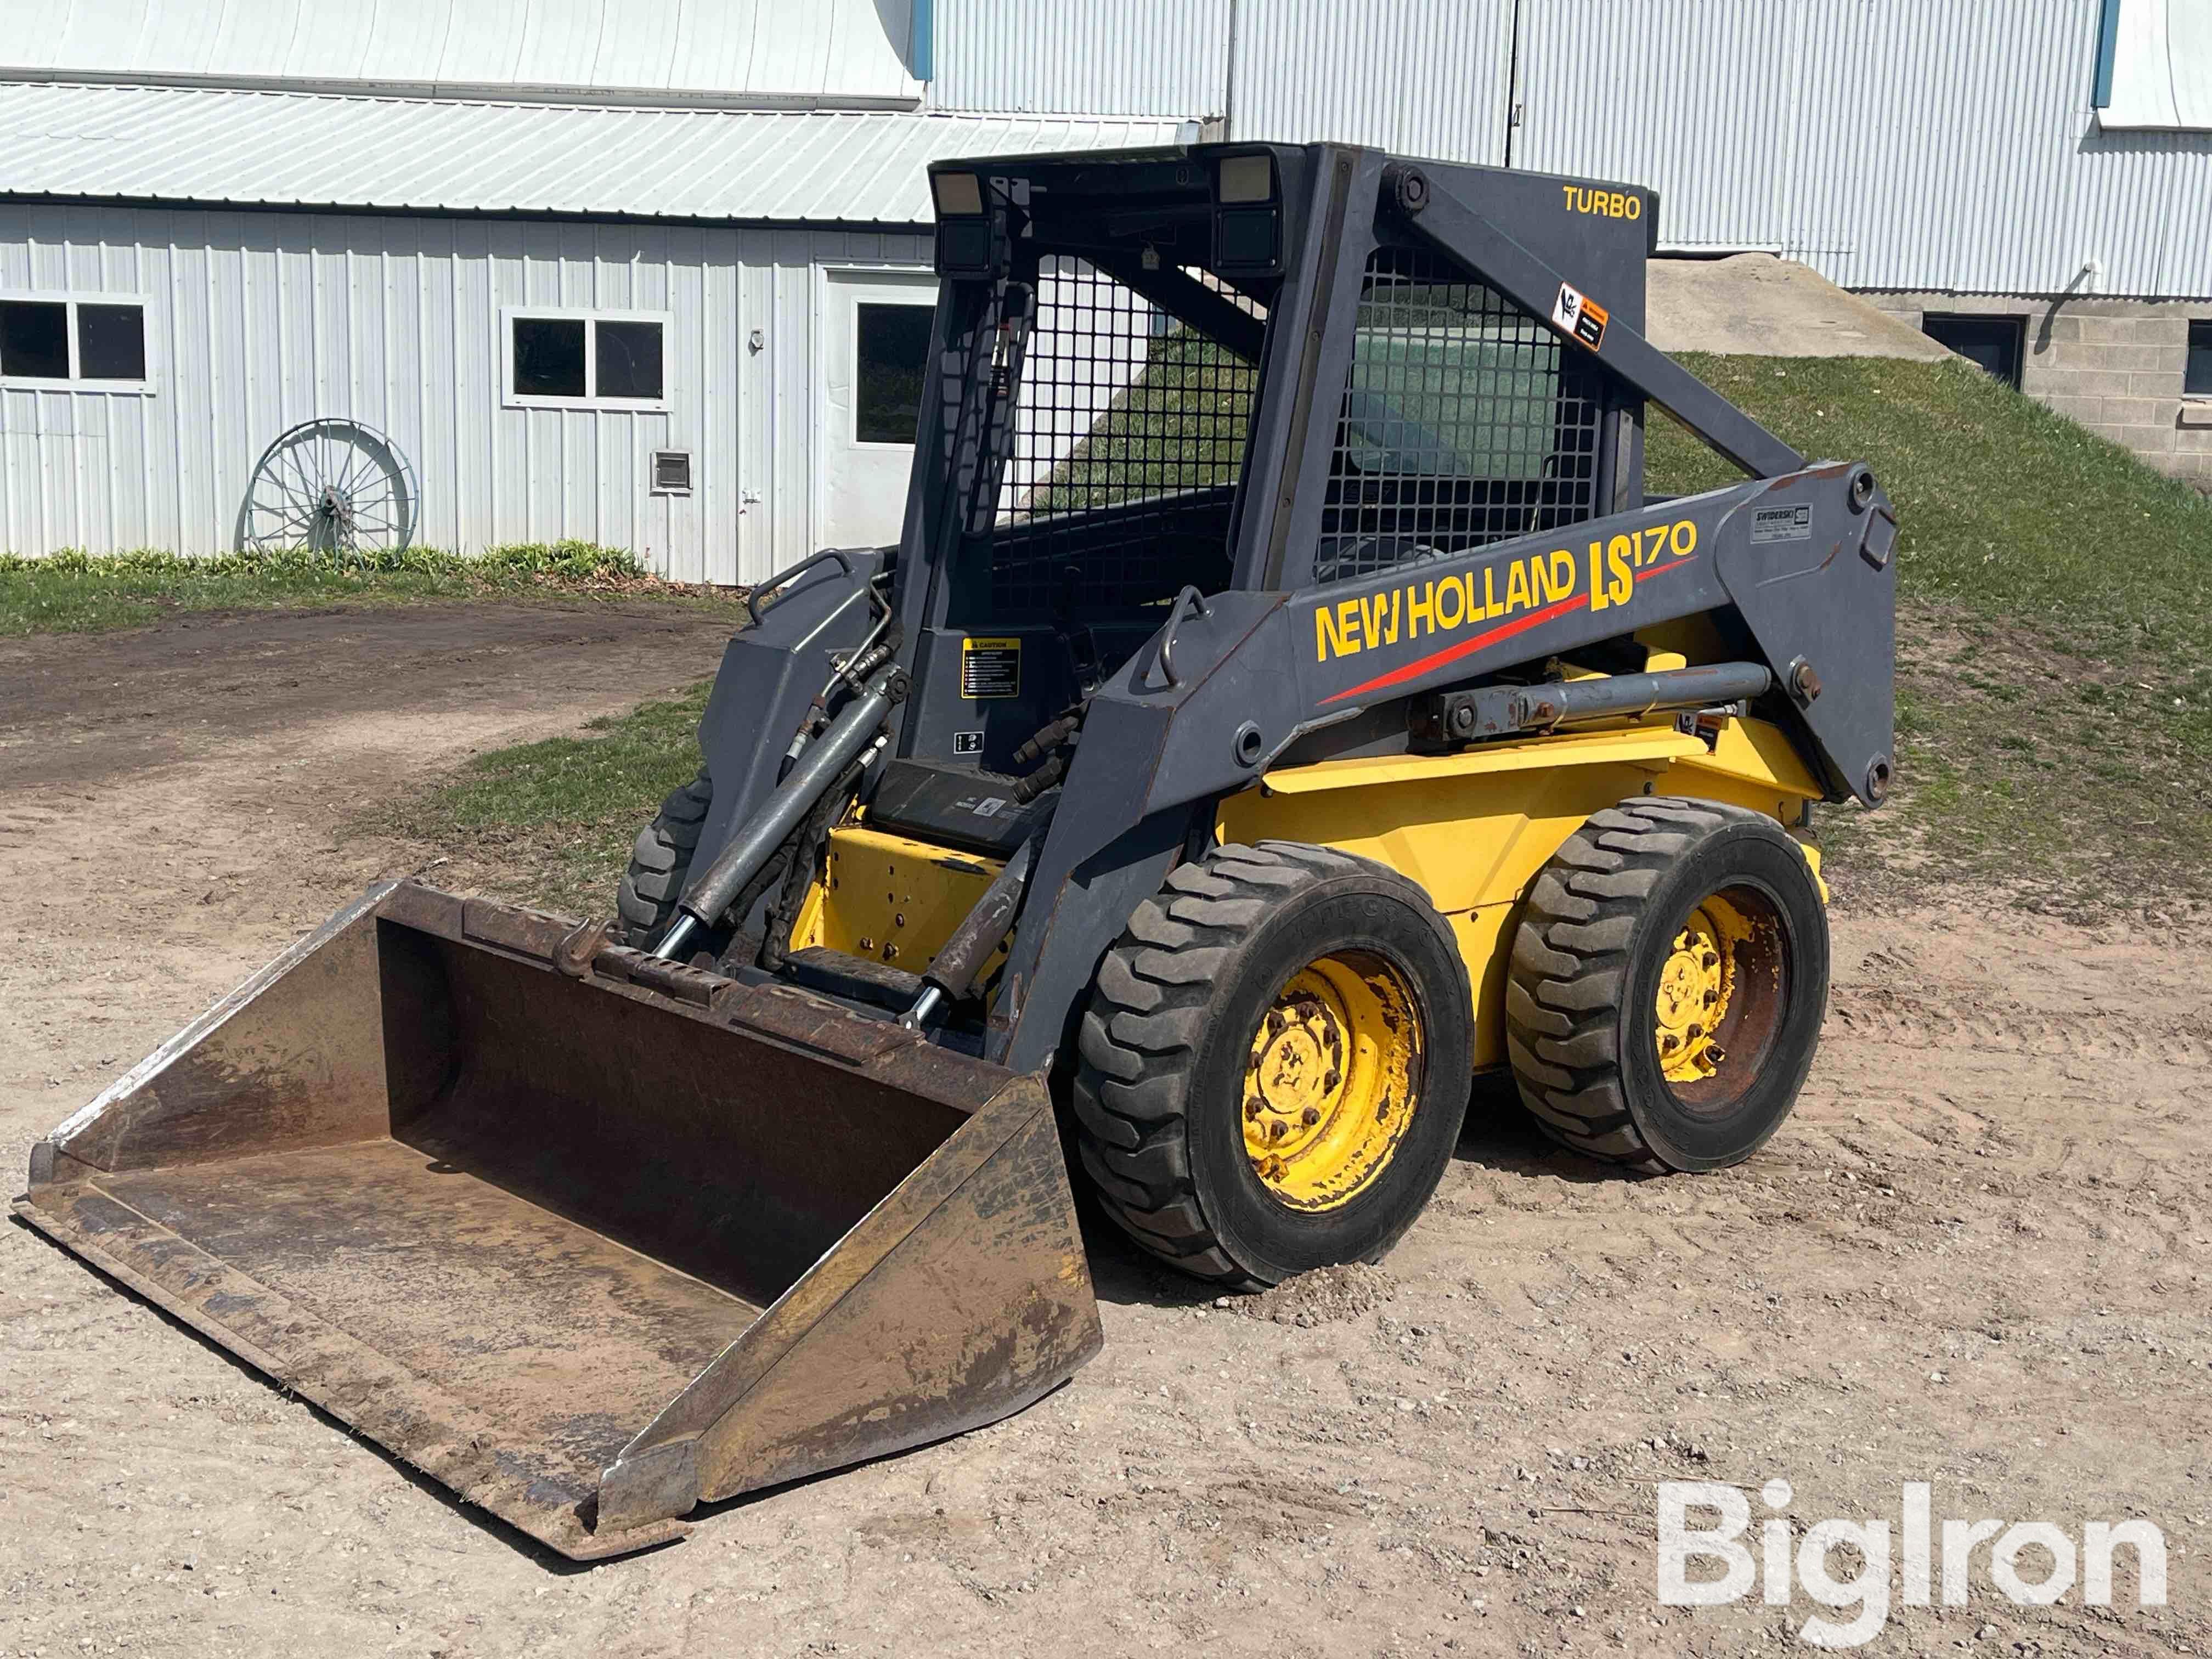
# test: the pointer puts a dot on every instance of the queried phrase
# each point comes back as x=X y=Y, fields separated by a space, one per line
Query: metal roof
x=311 y=150
x=756 y=52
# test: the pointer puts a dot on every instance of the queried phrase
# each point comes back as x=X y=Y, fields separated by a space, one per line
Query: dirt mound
x=1326 y=1295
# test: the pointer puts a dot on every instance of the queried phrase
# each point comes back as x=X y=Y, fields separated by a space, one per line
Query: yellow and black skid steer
x=1284 y=702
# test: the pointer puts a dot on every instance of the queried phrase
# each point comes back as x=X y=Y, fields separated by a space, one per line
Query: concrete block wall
x=2113 y=365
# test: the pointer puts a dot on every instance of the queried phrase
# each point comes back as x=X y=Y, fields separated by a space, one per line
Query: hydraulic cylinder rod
x=1536 y=705
x=954 y=972
x=755 y=842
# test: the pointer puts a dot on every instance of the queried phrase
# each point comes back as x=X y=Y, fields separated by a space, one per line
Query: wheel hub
x=334 y=511
x=1696 y=986
x=1297 y=1076
x=1328 y=1081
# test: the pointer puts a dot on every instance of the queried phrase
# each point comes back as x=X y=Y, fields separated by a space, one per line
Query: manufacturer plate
x=1782 y=524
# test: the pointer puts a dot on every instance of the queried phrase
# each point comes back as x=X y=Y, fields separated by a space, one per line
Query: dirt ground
x=1976 y=1257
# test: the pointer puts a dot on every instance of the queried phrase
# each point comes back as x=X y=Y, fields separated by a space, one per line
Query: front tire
x=1666 y=985
x=1274 y=1063
x=660 y=862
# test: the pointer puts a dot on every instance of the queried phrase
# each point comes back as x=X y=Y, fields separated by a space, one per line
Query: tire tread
x=1139 y=1044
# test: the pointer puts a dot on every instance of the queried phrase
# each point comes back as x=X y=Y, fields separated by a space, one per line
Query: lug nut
x=1712 y=959
x=1255 y=1106
x=1714 y=1052
x=1275 y=1021
x=1277 y=1129
x=1311 y=1116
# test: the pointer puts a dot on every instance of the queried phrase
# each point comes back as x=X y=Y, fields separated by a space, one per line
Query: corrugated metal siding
x=256 y=321
x=1105 y=57
x=1607 y=94
x=1408 y=75
x=824 y=51
x=1989 y=190
x=174 y=143
x=1888 y=143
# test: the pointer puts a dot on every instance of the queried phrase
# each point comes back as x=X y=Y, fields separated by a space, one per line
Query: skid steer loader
x=1283 y=703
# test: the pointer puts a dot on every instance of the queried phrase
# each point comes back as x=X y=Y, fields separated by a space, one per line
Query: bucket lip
x=404 y=1413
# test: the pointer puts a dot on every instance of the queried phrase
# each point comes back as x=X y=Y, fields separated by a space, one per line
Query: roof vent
x=671 y=472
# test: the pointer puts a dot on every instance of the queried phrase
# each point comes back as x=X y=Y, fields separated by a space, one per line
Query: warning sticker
x=1793 y=523
x=967 y=743
x=990 y=668
x=1580 y=316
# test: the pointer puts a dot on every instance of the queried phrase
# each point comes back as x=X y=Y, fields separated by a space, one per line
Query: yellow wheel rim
x=1697 y=987
x=1331 y=1079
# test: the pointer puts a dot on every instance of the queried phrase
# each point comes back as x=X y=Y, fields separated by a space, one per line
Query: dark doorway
x=1994 y=343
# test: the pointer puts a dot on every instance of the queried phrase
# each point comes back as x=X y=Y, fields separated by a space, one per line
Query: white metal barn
x=633 y=271
x=663 y=293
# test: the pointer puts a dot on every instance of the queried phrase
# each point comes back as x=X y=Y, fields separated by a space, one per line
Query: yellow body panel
x=1474 y=828
x=891 y=898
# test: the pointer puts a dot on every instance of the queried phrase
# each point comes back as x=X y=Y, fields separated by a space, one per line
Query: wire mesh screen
x=1465 y=421
x=1124 y=453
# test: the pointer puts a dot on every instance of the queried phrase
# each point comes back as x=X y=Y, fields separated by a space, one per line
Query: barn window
x=628 y=356
x=610 y=360
x=62 y=340
x=549 y=357
x=34 y=340
x=2196 y=367
x=111 y=342
x=894 y=352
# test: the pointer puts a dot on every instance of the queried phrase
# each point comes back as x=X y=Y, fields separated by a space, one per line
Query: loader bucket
x=590 y=1241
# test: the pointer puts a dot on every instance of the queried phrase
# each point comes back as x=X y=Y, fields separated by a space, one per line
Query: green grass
x=1179 y=424
x=553 y=821
x=2054 y=631
x=76 y=592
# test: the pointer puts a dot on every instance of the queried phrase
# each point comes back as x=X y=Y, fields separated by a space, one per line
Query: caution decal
x=1576 y=313
x=990 y=668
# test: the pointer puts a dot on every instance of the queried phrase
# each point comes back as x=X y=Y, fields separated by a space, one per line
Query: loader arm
x=1441 y=215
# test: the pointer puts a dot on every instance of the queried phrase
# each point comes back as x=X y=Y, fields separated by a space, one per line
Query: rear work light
x=959 y=195
x=1247 y=178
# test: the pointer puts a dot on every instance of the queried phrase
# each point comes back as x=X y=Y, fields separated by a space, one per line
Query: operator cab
x=1102 y=431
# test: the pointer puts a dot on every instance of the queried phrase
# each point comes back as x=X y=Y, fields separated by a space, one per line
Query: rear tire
x=1284 y=991
x=660 y=862
x=1666 y=985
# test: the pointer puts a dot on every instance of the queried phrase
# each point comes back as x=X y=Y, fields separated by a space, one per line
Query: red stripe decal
x=1468 y=647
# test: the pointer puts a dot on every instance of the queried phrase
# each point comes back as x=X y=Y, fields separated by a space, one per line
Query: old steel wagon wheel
x=333 y=485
